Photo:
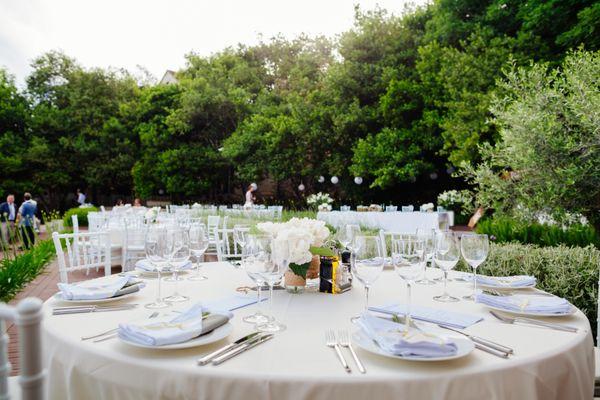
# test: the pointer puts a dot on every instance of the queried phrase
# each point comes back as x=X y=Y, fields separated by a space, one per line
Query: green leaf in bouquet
x=321 y=251
x=300 y=269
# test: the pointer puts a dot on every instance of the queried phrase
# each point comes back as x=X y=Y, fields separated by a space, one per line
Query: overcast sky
x=156 y=34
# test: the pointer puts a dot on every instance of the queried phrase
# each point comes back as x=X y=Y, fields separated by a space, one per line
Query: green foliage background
x=397 y=99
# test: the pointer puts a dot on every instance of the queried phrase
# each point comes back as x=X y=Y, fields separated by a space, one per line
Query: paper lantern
x=334 y=180
x=321 y=179
x=301 y=187
x=358 y=180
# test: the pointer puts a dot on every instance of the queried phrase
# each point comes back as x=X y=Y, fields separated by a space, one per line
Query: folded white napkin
x=434 y=315
x=147 y=265
x=503 y=281
x=96 y=289
x=389 y=336
x=182 y=328
x=527 y=303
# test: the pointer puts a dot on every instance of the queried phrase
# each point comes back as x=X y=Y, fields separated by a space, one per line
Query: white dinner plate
x=464 y=346
x=572 y=311
x=220 y=333
x=58 y=297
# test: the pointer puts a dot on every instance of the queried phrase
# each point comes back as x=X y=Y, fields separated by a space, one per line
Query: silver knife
x=209 y=357
x=89 y=310
x=246 y=346
x=482 y=341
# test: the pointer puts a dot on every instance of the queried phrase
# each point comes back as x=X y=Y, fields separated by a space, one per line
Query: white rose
x=299 y=241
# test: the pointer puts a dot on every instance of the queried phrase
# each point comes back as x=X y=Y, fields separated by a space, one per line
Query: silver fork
x=344 y=338
x=330 y=341
x=111 y=333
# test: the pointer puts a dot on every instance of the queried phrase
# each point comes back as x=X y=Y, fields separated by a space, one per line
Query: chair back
x=83 y=251
x=27 y=316
x=75 y=223
x=386 y=238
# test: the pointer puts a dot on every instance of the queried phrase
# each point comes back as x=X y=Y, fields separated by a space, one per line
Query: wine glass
x=240 y=236
x=474 y=249
x=178 y=249
x=154 y=245
x=275 y=262
x=252 y=256
x=346 y=234
x=367 y=262
x=198 y=245
x=446 y=256
x=408 y=256
x=428 y=238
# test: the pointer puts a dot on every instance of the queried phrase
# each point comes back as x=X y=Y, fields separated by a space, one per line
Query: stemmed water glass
x=474 y=249
x=178 y=249
x=367 y=261
x=198 y=245
x=275 y=262
x=346 y=234
x=240 y=236
x=407 y=257
x=154 y=245
x=252 y=256
x=428 y=238
x=446 y=256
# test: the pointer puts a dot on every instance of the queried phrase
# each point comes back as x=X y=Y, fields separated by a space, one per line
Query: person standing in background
x=80 y=197
x=8 y=215
x=27 y=220
x=250 y=197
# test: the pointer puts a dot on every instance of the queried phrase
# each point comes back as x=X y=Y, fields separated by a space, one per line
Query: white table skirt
x=297 y=365
x=390 y=221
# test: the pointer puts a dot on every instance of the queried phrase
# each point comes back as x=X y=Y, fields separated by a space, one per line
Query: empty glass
x=367 y=261
x=407 y=257
x=252 y=256
x=346 y=234
x=474 y=249
x=178 y=249
x=198 y=245
x=446 y=256
x=275 y=262
x=154 y=245
x=428 y=238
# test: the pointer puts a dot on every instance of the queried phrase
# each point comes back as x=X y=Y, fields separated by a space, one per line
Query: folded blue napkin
x=389 y=336
x=503 y=281
x=183 y=327
x=527 y=303
x=96 y=289
x=436 y=316
x=147 y=265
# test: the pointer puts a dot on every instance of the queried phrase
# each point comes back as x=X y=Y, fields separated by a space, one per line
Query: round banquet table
x=296 y=364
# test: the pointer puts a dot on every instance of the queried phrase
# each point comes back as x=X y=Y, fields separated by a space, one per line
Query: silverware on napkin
x=209 y=357
x=504 y=293
x=255 y=341
x=530 y=321
x=484 y=342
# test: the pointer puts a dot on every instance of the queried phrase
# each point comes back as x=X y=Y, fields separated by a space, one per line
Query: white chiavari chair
x=133 y=240
x=93 y=251
x=215 y=244
x=27 y=316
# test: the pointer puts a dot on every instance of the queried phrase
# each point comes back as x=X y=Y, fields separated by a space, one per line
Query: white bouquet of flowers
x=151 y=214
x=321 y=201
x=304 y=236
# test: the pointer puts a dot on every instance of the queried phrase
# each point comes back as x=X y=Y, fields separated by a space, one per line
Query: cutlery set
x=111 y=333
x=91 y=309
x=534 y=322
x=233 y=349
x=344 y=341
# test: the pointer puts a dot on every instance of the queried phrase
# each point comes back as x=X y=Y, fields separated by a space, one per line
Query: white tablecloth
x=390 y=221
x=297 y=365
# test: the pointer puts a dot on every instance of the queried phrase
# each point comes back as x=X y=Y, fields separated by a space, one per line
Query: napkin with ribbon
x=98 y=289
x=389 y=336
x=148 y=266
x=503 y=281
x=434 y=315
x=193 y=322
x=527 y=303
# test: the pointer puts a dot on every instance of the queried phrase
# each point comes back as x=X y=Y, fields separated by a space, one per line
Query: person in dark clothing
x=26 y=220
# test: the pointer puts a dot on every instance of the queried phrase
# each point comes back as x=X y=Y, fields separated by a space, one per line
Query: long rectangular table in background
x=390 y=221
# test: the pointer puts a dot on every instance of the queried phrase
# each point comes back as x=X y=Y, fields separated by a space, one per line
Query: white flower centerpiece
x=321 y=201
x=427 y=207
x=306 y=239
x=152 y=214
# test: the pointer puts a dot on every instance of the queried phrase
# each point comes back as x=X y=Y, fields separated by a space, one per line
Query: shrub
x=506 y=229
x=81 y=213
x=569 y=272
x=17 y=272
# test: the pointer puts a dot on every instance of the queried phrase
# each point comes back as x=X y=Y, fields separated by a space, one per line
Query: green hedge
x=16 y=273
x=81 y=215
x=504 y=229
x=569 y=272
